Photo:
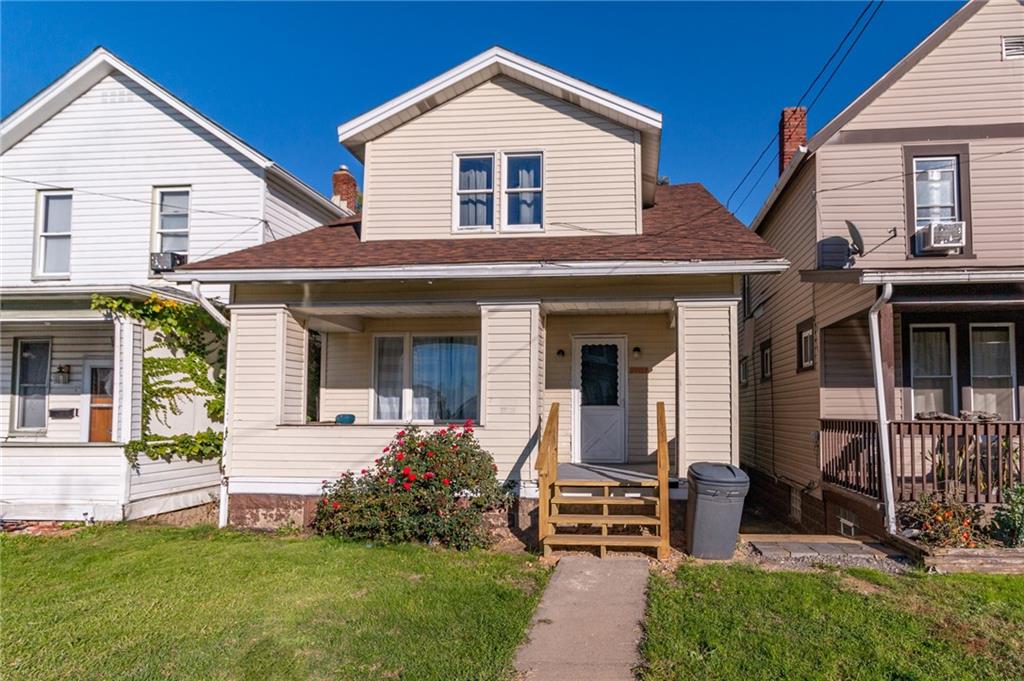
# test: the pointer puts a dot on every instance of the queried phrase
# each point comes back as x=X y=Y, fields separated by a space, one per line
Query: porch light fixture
x=636 y=352
x=560 y=354
x=63 y=374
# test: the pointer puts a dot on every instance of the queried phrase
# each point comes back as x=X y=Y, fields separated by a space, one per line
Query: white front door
x=599 y=399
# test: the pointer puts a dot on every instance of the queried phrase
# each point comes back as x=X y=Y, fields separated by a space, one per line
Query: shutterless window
x=766 y=362
x=807 y=348
x=932 y=369
x=992 y=369
x=426 y=378
x=172 y=221
x=524 y=188
x=474 y=192
x=55 y=234
x=936 y=194
x=32 y=383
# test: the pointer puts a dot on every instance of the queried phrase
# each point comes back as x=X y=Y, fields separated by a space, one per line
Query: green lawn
x=739 y=622
x=129 y=602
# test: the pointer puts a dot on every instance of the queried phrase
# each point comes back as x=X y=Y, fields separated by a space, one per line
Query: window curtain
x=932 y=371
x=991 y=371
x=474 y=175
x=389 y=363
x=445 y=378
x=524 y=207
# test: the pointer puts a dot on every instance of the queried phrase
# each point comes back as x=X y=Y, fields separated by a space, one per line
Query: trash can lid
x=718 y=474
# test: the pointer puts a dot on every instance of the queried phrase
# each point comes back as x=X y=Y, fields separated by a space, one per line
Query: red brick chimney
x=792 y=134
x=345 y=191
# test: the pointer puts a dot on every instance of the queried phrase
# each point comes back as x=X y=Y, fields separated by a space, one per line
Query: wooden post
x=547 y=473
x=663 y=547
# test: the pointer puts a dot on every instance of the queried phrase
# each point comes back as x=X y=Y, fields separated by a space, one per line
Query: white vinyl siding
x=288 y=212
x=590 y=165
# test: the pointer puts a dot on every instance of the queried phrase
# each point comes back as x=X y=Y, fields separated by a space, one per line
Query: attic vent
x=1013 y=47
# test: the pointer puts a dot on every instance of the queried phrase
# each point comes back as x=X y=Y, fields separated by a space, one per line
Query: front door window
x=602 y=413
x=101 y=404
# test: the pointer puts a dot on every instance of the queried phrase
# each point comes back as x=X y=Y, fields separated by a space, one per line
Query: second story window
x=937 y=192
x=172 y=220
x=474 y=192
x=54 y=249
x=524 y=189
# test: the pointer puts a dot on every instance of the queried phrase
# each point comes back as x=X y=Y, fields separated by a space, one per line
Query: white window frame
x=744 y=371
x=407 y=396
x=39 y=261
x=507 y=226
x=157 y=238
x=85 y=408
x=16 y=401
x=456 y=193
x=807 y=349
x=1013 y=360
x=957 y=208
x=955 y=403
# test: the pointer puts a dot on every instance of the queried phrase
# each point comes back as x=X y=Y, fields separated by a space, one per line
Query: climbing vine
x=191 y=367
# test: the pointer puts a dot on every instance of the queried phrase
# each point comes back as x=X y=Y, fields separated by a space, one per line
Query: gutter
x=485 y=270
x=222 y=508
x=883 y=418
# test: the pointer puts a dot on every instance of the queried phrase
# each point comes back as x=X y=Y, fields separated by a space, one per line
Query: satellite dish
x=856 y=240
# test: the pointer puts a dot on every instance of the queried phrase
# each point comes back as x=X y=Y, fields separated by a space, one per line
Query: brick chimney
x=345 y=191
x=792 y=134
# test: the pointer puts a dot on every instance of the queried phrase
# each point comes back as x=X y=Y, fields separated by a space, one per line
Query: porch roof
x=686 y=225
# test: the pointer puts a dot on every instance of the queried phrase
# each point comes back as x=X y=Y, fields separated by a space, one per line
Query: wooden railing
x=663 y=527
x=547 y=472
x=973 y=462
x=850 y=457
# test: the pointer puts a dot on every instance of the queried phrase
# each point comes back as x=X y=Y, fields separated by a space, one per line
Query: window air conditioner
x=945 y=235
x=166 y=261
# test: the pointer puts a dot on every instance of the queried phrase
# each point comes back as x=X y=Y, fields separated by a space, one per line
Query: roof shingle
x=686 y=223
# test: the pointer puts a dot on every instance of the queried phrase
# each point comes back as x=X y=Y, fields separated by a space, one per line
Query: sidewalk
x=588 y=623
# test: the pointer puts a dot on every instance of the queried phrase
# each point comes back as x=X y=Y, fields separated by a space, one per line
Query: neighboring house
x=109 y=182
x=514 y=250
x=927 y=169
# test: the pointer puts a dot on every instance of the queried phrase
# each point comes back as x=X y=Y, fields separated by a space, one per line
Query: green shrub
x=941 y=523
x=1008 y=521
x=426 y=486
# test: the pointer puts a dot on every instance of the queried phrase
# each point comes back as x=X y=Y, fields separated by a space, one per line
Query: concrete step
x=594 y=519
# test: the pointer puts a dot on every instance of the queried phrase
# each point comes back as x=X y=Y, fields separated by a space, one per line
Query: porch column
x=707 y=392
x=128 y=352
x=510 y=366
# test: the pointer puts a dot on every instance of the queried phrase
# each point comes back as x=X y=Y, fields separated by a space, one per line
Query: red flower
x=405 y=471
x=428 y=475
x=399 y=456
x=362 y=472
x=412 y=477
x=401 y=433
x=430 y=454
x=323 y=501
x=385 y=450
x=420 y=444
x=468 y=423
x=446 y=482
x=407 y=486
x=391 y=481
x=495 y=467
x=335 y=505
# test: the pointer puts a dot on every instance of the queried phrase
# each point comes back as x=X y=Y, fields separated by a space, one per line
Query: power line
x=49 y=185
x=807 y=91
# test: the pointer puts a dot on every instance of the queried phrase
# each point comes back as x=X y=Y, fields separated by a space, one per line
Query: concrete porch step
x=594 y=519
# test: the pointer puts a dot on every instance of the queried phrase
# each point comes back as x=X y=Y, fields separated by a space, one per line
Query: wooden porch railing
x=547 y=472
x=970 y=461
x=663 y=527
x=974 y=462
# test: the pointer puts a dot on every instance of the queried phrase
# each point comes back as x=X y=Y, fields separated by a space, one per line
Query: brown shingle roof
x=687 y=223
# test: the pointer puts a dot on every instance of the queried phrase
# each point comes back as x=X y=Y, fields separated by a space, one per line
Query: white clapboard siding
x=160 y=478
x=590 y=163
x=118 y=139
x=294 y=370
x=288 y=212
x=707 y=336
x=70 y=344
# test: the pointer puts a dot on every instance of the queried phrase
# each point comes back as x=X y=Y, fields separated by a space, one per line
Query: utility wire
x=127 y=198
x=810 y=107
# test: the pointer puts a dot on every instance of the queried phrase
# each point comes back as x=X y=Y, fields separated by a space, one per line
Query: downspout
x=880 y=403
x=222 y=509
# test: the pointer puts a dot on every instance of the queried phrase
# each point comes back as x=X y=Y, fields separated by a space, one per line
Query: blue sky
x=283 y=76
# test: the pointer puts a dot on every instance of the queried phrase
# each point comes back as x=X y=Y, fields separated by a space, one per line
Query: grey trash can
x=714 y=505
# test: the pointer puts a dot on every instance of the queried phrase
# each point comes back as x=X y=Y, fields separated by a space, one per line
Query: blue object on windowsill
x=345 y=419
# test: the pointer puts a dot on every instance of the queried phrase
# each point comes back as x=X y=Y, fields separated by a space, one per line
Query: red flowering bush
x=950 y=524
x=425 y=486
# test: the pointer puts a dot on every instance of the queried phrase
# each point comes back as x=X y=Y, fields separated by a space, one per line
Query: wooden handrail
x=663 y=548
x=547 y=471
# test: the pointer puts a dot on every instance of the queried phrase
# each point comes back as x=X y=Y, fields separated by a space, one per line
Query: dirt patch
x=43 y=529
x=861 y=586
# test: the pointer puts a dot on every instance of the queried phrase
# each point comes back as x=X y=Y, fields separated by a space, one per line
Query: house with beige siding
x=516 y=263
x=109 y=183
x=887 y=363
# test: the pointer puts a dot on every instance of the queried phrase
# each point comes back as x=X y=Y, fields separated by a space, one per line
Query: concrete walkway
x=588 y=623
